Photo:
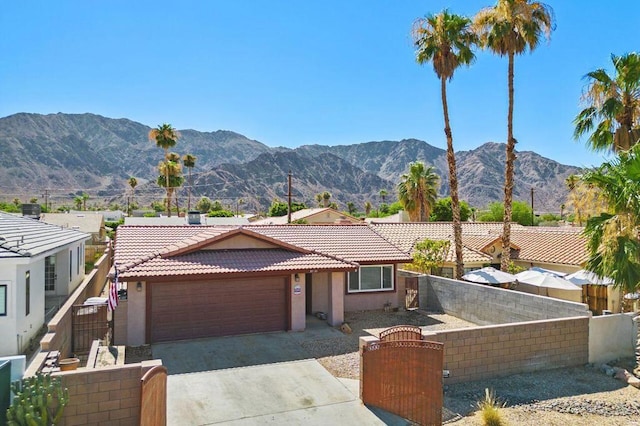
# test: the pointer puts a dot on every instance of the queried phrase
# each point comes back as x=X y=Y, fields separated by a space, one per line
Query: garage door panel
x=217 y=308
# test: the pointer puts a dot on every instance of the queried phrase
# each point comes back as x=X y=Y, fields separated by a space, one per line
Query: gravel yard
x=578 y=396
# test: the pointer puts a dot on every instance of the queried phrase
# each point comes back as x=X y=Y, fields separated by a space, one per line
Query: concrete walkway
x=288 y=393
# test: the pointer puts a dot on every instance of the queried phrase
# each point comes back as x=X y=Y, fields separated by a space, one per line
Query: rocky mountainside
x=71 y=153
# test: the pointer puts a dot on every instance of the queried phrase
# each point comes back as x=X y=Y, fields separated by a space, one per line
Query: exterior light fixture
x=139 y=286
x=296 y=277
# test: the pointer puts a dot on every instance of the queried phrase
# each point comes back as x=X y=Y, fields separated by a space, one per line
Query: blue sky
x=289 y=73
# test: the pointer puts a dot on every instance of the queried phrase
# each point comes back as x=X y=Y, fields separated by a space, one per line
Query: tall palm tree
x=510 y=28
x=133 y=182
x=418 y=190
x=84 y=197
x=446 y=40
x=614 y=236
x=367 y=208
x=165 y=137
x=189 y=161
x=319 y=199
x=611 y=116
x=173 y=170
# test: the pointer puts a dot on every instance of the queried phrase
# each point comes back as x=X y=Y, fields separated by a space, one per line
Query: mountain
x=72 y=153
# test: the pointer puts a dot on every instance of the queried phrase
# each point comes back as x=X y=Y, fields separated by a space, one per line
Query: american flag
x=113 y=291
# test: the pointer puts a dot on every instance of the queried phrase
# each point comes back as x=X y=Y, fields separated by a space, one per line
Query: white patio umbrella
x=556 y=273
x=546 y=280
x=583 y=277
x=489 y=275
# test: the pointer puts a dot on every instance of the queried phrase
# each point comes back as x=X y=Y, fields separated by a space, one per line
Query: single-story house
x=88 y=222
x=315 y=216
x=199 y=281
x=190 y=219
x=562 y=249
x=37 y=261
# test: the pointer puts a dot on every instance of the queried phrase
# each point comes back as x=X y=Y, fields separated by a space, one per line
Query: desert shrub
x=490 y=407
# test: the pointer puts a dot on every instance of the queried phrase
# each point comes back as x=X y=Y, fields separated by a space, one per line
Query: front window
x=446 y=272
x=371 y=278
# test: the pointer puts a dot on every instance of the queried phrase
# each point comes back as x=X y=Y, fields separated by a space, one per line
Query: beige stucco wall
x=376 y=300
x=611 y=337
x=136 y=304
x=298 y=314
x=240 y=242
x=336 y=305
x=320 y=292
x=614 y=297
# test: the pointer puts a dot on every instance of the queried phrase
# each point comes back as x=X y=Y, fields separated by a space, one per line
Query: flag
x=113 y=291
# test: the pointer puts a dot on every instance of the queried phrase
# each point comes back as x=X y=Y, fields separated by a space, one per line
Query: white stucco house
x=37 y=260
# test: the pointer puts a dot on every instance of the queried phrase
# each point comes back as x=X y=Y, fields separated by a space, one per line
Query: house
x=316 y=216
x=87 y=222
x=190 y=219
x=109 y=215
x=562 y=249
x=200 y=281
x=37 y=261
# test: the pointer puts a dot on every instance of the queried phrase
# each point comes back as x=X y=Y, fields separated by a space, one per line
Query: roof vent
x=193 y=218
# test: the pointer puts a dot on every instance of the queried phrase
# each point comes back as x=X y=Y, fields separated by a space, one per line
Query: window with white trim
x=371 y=278
x=3 y=300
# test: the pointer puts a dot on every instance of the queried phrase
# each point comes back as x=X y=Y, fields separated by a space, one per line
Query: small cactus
x=38 y=401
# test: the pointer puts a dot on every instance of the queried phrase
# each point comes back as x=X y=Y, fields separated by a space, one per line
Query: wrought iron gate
x=411 y=292
x=88 y=323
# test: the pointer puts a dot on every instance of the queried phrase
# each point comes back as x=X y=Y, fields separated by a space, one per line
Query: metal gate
x=405 y=378
x=153 y=397
x=411 y=292
x=88 y=323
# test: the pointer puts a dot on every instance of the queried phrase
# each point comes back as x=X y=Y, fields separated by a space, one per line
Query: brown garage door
x=188 y=310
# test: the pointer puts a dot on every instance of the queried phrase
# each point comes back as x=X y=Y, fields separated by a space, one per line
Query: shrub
x=490 y=409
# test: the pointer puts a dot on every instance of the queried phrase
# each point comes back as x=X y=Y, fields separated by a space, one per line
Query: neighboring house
x=317 y=216
x=87 y=222
x=191 y=219
x=109 y=215
x=37 y=261
x=199 y=281
x=562 y=249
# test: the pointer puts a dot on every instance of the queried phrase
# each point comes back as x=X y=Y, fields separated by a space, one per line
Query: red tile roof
x=176 y=250
x=234 y=262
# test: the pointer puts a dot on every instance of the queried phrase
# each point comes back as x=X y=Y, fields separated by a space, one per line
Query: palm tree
x=319 y=199
x=614 y=236
x=367 y=208
x=326 y=196
x=133 y=182
x=510 y=28
x=417 y=191
x=165 y=137
x=189 y=161
x=84 y=197
x=446 y=40
x=173 y=170
x=78 y=202
x=611 y=116
x=383 y=193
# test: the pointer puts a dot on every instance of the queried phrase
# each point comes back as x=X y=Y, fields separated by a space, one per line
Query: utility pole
x=46 y=199
x=532 y=214
x=289 y=199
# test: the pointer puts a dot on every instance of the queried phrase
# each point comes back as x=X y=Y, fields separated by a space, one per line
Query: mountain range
x=68 y=154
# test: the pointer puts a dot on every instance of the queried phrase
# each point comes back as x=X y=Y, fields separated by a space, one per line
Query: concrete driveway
x=259 y=379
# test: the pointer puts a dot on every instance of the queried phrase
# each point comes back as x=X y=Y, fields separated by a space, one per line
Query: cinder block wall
x=501 y=350
x=105 y=396
x=483 y=304
x=59 y=336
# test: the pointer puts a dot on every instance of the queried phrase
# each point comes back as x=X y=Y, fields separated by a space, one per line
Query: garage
x=188 y=310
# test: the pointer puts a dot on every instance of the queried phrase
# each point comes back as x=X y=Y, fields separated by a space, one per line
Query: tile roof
x=181 y=221
x=305 y=214
x=405 y=235
x=26 y=237
x=167 y=250
x=560 y=245
x=89 y=223
x=235 y=262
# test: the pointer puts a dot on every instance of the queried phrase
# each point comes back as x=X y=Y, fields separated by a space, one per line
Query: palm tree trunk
x=508 y=176
x=190 y=185
x=166 y=172
x=453 y=184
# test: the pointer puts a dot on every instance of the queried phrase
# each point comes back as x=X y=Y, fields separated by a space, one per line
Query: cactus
x=38 y=401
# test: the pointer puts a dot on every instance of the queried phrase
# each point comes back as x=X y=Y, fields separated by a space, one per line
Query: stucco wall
x=136 y=317
x=482 y=304
x=611 y=337
x=298 y=314
x=320 y=292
